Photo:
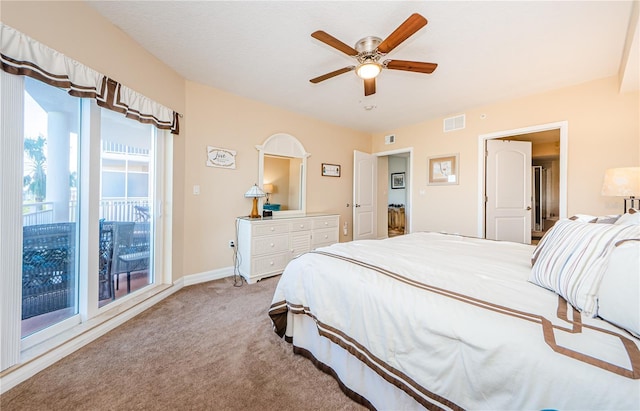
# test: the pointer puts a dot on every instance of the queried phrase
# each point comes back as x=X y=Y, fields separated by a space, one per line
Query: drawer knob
x=271 y=263
x=326 y=236
x=273 y=228
x=271 y=244
x=301 y=225
x=326 y=223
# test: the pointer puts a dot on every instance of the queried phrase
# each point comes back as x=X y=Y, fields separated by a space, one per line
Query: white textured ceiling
x=486 y=51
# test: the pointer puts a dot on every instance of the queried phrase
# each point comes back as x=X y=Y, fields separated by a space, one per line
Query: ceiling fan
x=369 y=50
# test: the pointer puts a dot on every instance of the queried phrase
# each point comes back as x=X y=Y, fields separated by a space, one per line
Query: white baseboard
x=32 y=363
x=205 y=276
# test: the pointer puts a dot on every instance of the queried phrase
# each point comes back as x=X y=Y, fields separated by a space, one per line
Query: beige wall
x=202 y=225
x=229 y=121
x=76 y=30
x=603 y=133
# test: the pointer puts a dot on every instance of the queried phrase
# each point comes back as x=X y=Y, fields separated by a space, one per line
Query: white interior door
x=364 y=195
x=508 y=191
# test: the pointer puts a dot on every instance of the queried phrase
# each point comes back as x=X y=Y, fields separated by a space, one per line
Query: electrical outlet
x=231 y=244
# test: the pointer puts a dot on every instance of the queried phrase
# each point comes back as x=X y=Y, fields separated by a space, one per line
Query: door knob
x=356 y=205
x=528 y=208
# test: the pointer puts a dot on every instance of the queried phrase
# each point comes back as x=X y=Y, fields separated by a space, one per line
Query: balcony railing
x=37 y=213
x=124 y=210
x=110 y=210
x=111 y=147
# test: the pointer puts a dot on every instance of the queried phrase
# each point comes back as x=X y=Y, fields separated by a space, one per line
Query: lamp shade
x=622 y=182
x=254 y=192
x=268 y=188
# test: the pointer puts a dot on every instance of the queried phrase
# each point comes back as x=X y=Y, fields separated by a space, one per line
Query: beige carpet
x=209 y=346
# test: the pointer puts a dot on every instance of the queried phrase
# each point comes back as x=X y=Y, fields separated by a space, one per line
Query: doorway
x=397 y=166
x=394 y=187
x=549 y=142
x=377 y=187
x=545 y=180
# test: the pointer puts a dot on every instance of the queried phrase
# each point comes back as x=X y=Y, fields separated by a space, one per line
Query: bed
x=437 y=321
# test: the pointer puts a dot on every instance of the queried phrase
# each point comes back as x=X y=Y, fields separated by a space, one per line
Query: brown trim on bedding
x=278 y=314
x=384 y=370
x=561 y=313
x=625 y=240
x=359 y=351
x=547 y=327
x=279 y=311
x=326 y=369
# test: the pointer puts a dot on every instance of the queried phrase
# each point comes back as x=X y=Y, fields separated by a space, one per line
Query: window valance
x=21 y=55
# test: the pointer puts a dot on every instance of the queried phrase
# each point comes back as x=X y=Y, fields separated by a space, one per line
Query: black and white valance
x=21 y=55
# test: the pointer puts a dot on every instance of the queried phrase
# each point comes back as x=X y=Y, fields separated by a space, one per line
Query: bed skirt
x=356 y=379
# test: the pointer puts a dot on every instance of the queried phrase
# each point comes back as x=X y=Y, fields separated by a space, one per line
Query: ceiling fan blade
x=369 y=86
x=414 y=23
x=334 y=42
x=415 y=66
x=332 y=74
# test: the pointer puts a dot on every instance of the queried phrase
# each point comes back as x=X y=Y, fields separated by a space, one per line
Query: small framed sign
x=397 y=180
x=221 y=157
x=330 y=170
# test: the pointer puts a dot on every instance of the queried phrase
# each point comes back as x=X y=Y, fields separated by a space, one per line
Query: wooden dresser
x=265 y=246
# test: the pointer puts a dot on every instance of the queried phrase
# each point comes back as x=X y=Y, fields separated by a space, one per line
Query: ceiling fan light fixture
x=368 y=70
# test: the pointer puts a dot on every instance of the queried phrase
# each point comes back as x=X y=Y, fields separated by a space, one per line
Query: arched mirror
x=282 y=172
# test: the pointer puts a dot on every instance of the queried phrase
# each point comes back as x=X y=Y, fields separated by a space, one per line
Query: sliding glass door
x=62 y=260
x=126 y=206
x=50 y=232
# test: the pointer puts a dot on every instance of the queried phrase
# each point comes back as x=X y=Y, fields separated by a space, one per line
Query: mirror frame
x=284 y=145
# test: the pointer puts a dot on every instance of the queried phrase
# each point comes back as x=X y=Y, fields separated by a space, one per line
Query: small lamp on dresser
x=623 y=182
x=254 y=192
x=268 y=189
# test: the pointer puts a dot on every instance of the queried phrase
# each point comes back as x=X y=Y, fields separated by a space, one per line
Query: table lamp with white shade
x=254 y=192
x=623 y=182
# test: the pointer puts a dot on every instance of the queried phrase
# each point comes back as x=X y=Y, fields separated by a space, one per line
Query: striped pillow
x=570 y=259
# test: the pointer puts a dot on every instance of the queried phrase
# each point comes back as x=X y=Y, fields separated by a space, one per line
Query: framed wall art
x=330 y=170
x=397 y=180
x=443 y=170
x=221 y=157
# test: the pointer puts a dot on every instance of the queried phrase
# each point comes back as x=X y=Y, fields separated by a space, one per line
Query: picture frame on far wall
x=397 y=180
x=443 y=170
x=330 y=170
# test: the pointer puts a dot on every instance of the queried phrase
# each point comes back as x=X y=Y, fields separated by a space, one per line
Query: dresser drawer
x=269 y=264
x=269 y=229
x=324 y=237
x=300 y=243
x=325 y=222
x=270 y=244
x=301 y=224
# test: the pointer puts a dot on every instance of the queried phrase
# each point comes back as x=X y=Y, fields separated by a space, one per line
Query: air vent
x=454 y=123
x=390 y=139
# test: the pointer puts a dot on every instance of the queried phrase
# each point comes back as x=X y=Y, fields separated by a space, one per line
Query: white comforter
x=458 y=317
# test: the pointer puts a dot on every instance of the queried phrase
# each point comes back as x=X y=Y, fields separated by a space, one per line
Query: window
x=83 y=179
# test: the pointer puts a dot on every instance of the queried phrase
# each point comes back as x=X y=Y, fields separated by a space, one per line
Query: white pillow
x=570 y=259
x=619 y=294
x=631 y=217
